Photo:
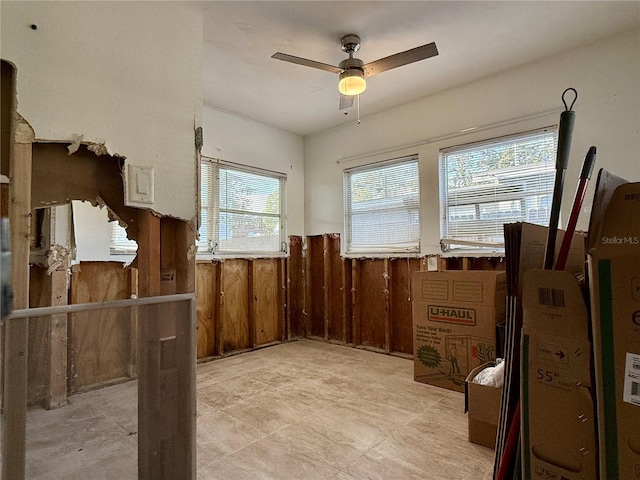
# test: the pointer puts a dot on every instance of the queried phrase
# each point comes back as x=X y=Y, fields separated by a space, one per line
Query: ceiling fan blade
x=346 y=101
x=307 y=63
x=400 y=59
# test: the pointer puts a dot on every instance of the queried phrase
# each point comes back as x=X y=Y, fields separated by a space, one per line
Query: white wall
x=91 y=228
x=127 y=74
x=92 y=231
x=606 y=76
x=235 y=139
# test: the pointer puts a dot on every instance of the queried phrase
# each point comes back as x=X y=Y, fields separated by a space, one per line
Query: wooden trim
x=347 y=298
x=218 y=296
x=167 y=351
x=133 y=339
x=149 y=453
x=355 y=279
x=307 y=312
x=221 y=312
x=283 y=305
x=295 y=289
x=251 y=307
x=185 y=257
x=16 y=331
x=57 y=388
x=326 y=283
x=387 y=306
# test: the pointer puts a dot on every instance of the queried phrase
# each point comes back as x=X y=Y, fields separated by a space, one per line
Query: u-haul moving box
x=614 y=277
x=454 y=323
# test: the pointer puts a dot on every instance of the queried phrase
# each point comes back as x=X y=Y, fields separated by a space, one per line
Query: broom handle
x=585 y=176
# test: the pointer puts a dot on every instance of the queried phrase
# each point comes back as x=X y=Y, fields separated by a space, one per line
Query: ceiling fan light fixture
x=352 y=82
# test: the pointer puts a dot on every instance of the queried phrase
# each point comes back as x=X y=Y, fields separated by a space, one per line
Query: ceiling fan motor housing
x=350 y=43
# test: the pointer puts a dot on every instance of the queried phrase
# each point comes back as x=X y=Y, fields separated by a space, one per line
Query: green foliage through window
x=487 y=184
x=241 y=209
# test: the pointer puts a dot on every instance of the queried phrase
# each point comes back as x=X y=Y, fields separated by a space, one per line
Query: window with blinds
x=487 y=184
x=119 y=243
x=241 y=209
x=382 y=207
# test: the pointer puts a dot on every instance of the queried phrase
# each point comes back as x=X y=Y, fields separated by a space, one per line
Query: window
x=485 y=185
x=242 y=209
x=382 y=207
x=119 y=242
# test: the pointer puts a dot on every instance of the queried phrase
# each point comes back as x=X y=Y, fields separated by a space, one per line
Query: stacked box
x=455 y=314
x=614 y=273
x=483 y=409
x=557 y=404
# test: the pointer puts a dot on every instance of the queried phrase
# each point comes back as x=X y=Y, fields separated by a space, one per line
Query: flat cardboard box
x=557 y=405
x=483 y=409
x=455 y=314
x=614 y=277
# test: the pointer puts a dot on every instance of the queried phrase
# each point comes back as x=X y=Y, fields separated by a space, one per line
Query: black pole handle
x=565 y=131
x=589 y=162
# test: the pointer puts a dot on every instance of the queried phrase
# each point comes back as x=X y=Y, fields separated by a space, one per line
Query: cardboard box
x=614 y=273
x=455 y=314
x=483 y=409
x=556 y=398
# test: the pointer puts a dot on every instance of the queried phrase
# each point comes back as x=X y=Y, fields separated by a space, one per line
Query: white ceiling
x=475 y=39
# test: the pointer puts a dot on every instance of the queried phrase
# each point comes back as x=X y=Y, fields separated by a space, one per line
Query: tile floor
x=302 y=410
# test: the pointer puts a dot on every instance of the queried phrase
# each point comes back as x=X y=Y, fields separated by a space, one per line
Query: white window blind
x=382 y=207
x=242 y=209
x=119 y=243
x=487 y=184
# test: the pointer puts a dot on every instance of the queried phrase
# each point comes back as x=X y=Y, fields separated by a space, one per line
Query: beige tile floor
x=302 y=410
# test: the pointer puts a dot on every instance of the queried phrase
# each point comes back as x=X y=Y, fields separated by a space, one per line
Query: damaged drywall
x=24 y=132
x=58 y=178
x=133 y=88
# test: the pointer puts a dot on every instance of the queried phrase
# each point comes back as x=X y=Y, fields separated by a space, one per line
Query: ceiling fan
x=353 y=71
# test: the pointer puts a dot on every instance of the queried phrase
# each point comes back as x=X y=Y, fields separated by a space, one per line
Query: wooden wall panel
x=337 y=314
x=234 y=315
x=100 y=346
x=472 y=263
x=267 y=299
x=347 y=299
x=371 y=304
x=400 y=304
x=15 y=332
x=38 y=364
x=207 y=300
x=315 y=305
x=295 y=288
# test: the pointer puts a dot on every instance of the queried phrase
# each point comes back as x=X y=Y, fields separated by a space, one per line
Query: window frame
x=412 y=247
x=449 y=243
x=213 y=205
